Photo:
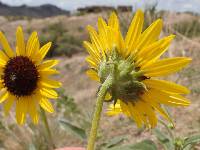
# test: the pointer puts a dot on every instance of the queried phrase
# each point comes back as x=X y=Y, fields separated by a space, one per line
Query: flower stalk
x=46 y=124
x=97 y=113
x=168 y=129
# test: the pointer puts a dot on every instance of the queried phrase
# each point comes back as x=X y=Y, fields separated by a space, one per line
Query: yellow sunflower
x=25 y=76
x=133 y=63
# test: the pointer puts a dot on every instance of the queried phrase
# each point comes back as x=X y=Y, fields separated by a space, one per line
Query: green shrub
x=63 y=42
x=66 y=103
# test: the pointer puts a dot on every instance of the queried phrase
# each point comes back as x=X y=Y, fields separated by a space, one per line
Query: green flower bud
x=178 y=143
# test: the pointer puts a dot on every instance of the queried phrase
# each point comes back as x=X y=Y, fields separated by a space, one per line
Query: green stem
x=46 y=124
x=97 y=113
x=168 y=129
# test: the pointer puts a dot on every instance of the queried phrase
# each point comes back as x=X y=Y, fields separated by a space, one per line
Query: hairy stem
x=97 y=113
x=168 y=129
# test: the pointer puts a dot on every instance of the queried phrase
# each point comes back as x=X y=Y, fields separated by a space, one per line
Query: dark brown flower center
x=20 y=76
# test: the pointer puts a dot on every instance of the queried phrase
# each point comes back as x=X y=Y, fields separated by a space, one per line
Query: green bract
x=125 y=76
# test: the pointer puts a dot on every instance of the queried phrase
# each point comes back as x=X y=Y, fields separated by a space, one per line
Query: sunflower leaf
x=77 y=131
x=164 y=140
x=115 y=141
x=143 y=145
x=192 y=140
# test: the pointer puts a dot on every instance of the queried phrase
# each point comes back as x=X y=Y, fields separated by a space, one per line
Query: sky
x=174 y=5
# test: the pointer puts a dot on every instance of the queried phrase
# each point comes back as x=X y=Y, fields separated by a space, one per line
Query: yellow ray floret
x=166 y=86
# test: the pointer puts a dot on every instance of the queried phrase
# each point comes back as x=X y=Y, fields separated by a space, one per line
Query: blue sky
x=175 y=5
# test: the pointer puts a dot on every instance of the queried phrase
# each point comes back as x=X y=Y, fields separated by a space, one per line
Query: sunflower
x=25 y=79
x=134 y=62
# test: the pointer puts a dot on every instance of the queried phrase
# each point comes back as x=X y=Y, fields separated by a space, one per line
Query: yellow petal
x=35 y=117
x=166 y=86
x=166 y=66
x=114 y=109
x=48 y=64
x=113 y=21
x=20 y=49
x=33 y=45
x=117 y=106
x=96 y=41
x=115 y=41
x=30 y=40
x=150 y=35
x=47 y=83
x=124 y=108
x=149 y=113
x=92 y=62
x=32 y=48
x=32 y=109
x=108 y=96
x=46 y=105
x=134 y=31
x=94 y=54
x=4 y=94
x=49 y=93
x=93 y=75
x=112 y=113
x=6 y=45
x=121 y=44
x=43 y=51
x=112 y=37
x=47 y=72
x=168 y=98
x=8 y=104
x=151 y=53
x=21 y=109
x=135 y=115
x=142 y=114
x=3 y=57
x=34 y=52
x=157 y=107
x=102 y=28
x=151 y=116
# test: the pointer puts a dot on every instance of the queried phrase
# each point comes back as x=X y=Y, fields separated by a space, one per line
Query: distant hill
x=46 y=10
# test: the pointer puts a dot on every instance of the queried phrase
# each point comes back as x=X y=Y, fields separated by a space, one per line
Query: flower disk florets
x=20 y=76
x=126 y=78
